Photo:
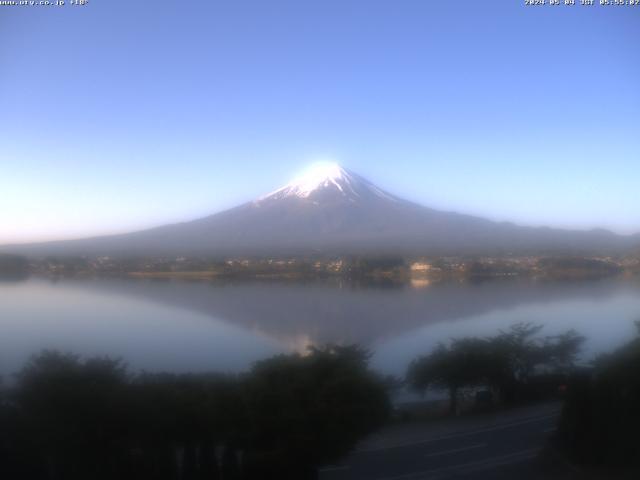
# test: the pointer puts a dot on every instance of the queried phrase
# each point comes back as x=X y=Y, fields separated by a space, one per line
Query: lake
x=180 y=326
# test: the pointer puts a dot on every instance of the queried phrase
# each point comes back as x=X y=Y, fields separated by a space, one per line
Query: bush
x=601 y=417
x=69 y=419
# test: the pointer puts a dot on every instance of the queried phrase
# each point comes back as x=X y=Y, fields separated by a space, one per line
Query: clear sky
x=125 y=114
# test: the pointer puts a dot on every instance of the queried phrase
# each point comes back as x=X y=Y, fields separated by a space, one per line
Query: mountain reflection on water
x=181 y=325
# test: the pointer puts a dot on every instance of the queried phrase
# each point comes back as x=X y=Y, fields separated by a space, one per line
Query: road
x=495 y=446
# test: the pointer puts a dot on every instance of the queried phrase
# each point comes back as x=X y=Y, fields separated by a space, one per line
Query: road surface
x=495 y=446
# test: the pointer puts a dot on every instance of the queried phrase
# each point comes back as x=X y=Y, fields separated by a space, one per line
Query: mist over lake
x=181 y=326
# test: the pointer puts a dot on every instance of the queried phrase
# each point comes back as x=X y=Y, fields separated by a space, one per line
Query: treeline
x=601 y=417
x=575 y=267
x=298 y=266
x=516 y=365
x=67 y=418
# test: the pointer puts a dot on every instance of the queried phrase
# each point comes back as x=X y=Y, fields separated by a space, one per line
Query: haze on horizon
x=126 y=116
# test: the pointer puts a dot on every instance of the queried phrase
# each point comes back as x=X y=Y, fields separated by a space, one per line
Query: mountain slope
x=333 y=210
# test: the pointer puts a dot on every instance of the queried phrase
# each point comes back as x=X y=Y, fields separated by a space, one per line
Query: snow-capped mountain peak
x=331 y=210
x=327 y=177
x=317 y=176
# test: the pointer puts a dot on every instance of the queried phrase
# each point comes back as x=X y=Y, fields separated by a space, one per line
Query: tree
x=506 y=362
x=600 y=420
x=561 y=351
x=70 y=418
x=464 y=362
x=309 y=410
x=70 y=410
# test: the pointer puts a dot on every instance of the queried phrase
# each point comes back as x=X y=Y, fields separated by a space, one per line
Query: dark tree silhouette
x=461 y=363
x=308 y=410
x=601 y=417
x=67 y=418
x=506 y=362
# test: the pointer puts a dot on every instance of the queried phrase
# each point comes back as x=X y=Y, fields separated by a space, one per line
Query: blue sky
x=121 y=115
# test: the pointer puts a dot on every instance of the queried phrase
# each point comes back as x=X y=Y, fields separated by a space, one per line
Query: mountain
x=332 y=210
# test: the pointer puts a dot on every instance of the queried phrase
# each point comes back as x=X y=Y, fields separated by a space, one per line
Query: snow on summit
x=328 y=178
x=317 y=176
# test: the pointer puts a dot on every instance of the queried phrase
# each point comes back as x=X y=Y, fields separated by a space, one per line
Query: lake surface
x=199 y=326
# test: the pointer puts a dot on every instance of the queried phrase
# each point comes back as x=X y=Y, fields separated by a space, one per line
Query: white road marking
x=468 y=467
x=456 y=450
x=457 y=435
